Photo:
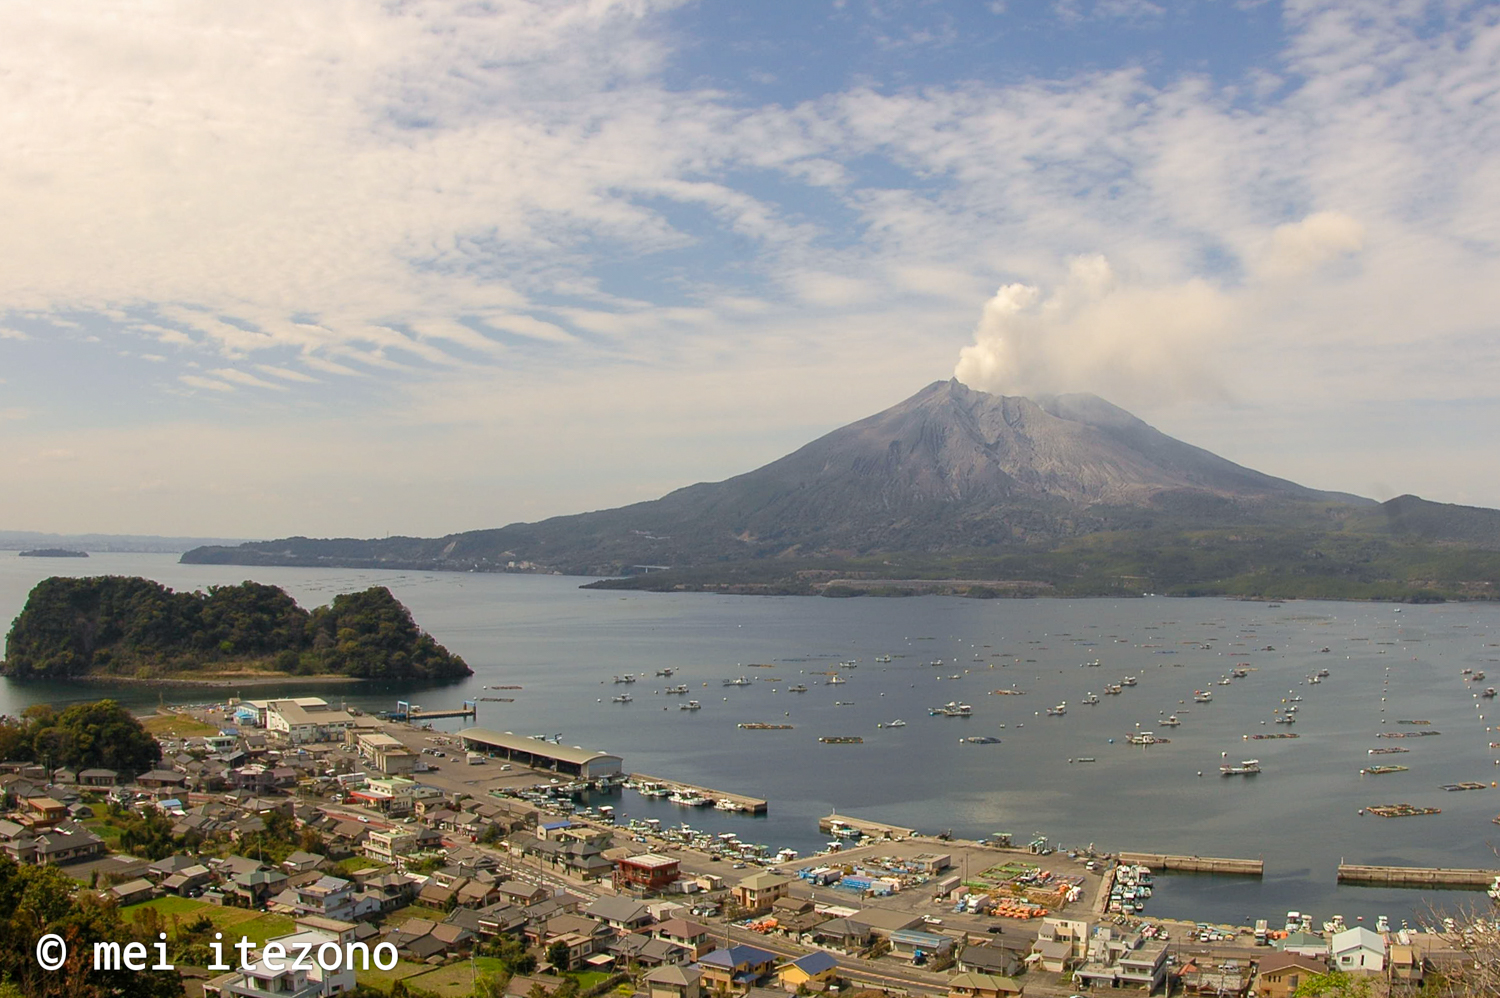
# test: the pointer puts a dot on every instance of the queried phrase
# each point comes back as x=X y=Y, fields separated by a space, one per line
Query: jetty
x=1415 y=876
x=748 y=805
x=870 y=829
x=412 y=714
x=1196 y=864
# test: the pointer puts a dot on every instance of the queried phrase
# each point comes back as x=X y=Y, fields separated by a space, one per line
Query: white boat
x=1113 y=689
x=725 y=804
x=627 y=678
x=799 y=688
x=951 y=709
x=1059 y=710
x=1141 y=738
x=897 y=723
x=1090 y=698
x=678 y=689
x=1128 y=681
x=1286 y=719
x=1494 y=891
x=690 y=705
x=1225 y=681
x=835 y=680
x=1202 y=696
x=1247 y=768
x=622 y=698
x=1171 y=721
x=878 y=658
x=741 y=681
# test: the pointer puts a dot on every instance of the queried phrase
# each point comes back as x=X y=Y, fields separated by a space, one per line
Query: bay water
x=564 y=646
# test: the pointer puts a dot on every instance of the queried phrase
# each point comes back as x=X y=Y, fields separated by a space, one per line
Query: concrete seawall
x=1195 y=864
x=1415 y=876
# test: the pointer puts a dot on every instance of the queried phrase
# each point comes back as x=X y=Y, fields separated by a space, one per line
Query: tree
x=1334 y=984
x=557 y=955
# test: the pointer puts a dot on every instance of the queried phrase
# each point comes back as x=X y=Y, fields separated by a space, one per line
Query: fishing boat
x=1239 y=672
x=689 y=798
x=1142 y=738
x=738 y=681
x=681 y=688
x=1225 y=681
x=690 y=705
x=627 y=678
x=622 y=698
x=799 y=688
x=666 y=672
x=1202 y=696
x=897 y=723
x=1322 y=673
x=1249 y=767
x=1059 y=710
x=1090 y=699
x=1286 y=719
x=1128 y=681
x=835 y=680
x=725 y=804
x=879 y=658
x=1382 y=770
x=1489 y=692
x=951 y=709
x=1494 y=891
x=1171 y=721
x=1113 y=689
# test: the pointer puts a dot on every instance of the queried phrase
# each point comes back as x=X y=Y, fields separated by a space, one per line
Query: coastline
x=226 y=680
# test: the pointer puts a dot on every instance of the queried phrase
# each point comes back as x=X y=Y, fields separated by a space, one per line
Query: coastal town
x=297 y=822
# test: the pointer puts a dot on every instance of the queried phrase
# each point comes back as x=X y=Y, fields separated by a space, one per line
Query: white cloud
x=244 y=378
x=197 y=381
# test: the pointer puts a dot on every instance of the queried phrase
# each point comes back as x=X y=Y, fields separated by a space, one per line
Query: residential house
x=760 y=890
x=254 y=887
x=69 y=842
x=522 y=893
x=695 y=939
x=1123 y=960
x=330 y=897
x=735 y=969
x=158 y=778
x=976 y=985
x=886 y=922
x=918 y=946
x=815 y=972
x=1280 y=974
x=620 y=914
x=997 y=961
x=98 y=778
x=843 y=934
x=133 y=892
x=1357 y=950
x=646 y=873
x=302 y=862
x=187 y=880
x=673 y=982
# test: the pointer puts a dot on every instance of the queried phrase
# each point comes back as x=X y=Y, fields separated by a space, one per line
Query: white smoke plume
x=1094 y=333
x=1130 y=342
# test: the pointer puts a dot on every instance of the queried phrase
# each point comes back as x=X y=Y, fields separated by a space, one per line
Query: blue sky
x=355 y=268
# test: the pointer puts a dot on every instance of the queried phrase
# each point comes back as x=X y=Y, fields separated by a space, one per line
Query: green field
x=233 y=922
x=355 y=864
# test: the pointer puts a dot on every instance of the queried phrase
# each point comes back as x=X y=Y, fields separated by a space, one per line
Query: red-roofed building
x=646 y=873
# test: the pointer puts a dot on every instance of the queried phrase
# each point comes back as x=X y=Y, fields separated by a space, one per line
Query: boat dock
x=748 y=805
x=1195 y=864
x=870 y=829
x=1415 y=876
x=412 y=714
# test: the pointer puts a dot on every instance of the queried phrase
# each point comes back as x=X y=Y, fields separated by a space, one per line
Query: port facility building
x=538 y=754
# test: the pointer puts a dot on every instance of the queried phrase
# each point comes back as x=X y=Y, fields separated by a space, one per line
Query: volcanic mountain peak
x=952 y=441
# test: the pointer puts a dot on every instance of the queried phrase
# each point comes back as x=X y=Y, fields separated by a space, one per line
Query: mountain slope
x=949 y=469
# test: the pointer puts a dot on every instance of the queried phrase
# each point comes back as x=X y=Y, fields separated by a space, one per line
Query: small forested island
x=53 y=553
x=128 y=627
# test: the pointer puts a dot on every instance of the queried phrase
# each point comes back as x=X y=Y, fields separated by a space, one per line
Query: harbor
x=740 y=802
x=866 y=828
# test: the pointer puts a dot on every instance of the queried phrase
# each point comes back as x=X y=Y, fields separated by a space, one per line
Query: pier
x=1415 y=876
x=870 y=829
x=406 y=712
x=1196 y=864
x=747 y=805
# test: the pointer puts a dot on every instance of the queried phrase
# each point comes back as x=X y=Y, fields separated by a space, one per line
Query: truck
x=475 y=758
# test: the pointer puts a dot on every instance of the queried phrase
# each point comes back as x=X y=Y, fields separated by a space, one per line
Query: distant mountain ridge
x=949 y=471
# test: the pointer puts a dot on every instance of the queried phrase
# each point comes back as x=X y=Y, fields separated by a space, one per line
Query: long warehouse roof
x=522 y=743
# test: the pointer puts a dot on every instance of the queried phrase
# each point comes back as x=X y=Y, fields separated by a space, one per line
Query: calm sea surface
x=564 y=645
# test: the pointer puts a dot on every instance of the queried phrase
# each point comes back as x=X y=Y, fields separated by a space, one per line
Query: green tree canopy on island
x=127 y=626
